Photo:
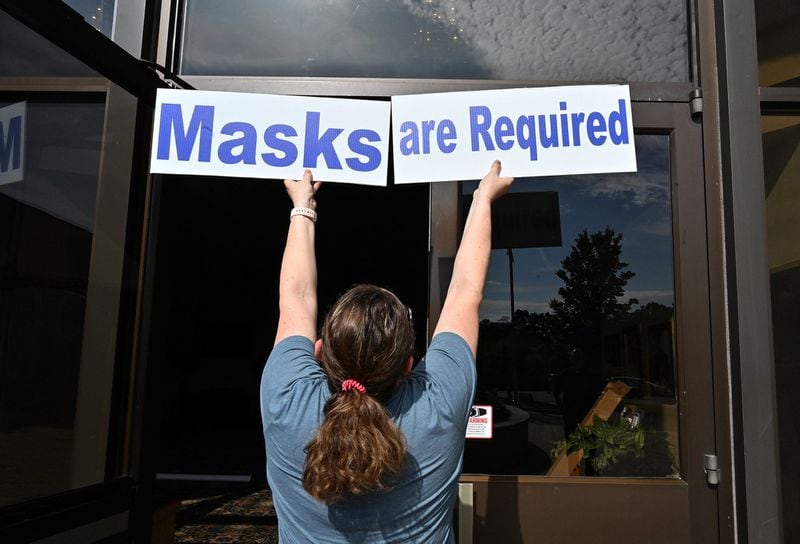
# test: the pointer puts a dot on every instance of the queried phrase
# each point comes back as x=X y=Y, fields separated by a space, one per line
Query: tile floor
x=232 y=518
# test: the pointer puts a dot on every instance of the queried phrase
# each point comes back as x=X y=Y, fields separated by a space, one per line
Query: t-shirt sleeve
x=292 y=379
x=449 y=368
x=291 y=358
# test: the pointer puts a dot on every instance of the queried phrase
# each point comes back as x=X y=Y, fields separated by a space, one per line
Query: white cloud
x=560 y=40
x=638 y=40
x=649 y=185
x=639 y=189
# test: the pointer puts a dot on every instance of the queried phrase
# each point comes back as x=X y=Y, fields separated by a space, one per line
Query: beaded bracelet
x=305 y=212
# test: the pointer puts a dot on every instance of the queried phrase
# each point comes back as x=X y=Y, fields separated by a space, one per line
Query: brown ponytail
x=367 y=336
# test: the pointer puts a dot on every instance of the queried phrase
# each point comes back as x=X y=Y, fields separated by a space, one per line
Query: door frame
x=708 y=66
x=664 y=97
x=518 y=508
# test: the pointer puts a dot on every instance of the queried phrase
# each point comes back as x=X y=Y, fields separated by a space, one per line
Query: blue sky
x=635 y=204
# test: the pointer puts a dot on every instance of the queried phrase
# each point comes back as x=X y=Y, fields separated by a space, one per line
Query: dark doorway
x=219 y=248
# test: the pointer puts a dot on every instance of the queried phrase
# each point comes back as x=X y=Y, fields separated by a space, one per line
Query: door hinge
x=171 y=79
x=711 y=468
x=696 y=102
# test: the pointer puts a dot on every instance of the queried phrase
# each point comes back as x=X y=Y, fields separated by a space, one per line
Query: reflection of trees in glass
x=561 y=351
x=532 y=347
x=594 y=280
x=591 y=335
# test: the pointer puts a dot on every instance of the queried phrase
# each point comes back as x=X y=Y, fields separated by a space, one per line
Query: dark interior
x=215 y=305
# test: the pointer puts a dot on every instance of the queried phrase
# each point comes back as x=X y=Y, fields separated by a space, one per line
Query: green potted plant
x=621 y=447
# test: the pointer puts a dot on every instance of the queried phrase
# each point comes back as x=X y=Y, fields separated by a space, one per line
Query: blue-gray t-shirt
x=431 y=408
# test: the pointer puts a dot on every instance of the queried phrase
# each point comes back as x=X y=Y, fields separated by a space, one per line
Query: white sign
x=534 y=132
x=12 y=143
x=479 y=424
x=270 y=136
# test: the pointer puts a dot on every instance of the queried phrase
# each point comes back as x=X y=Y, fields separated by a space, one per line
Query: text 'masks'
x=270 y=136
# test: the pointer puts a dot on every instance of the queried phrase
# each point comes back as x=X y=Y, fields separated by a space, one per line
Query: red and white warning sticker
x=480 y=422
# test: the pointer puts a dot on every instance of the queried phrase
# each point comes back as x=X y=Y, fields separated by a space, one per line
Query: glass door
x=69 y=100
x=594 y=355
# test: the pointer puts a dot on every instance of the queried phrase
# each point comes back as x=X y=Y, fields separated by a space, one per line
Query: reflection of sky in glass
x=600 y=40
x=634 y=204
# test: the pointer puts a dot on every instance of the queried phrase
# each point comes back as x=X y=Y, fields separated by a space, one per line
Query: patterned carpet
x=232 y=518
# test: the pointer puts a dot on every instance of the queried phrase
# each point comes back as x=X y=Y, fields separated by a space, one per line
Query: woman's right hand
x=492 y=186
x=302 y=191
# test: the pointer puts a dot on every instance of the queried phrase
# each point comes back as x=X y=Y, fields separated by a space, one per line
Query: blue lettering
x=502 y=128
x=577 y=121
x=316 y=145
x=247 y=142
x=527 y=138
x=372 y=154
x=564 y=124
x=480 y=119
x=618 y=119
x=546 y=140
x=172 y=123
x=445 y=132
x=595 y=126
x=288 y=149
x=11 y=144
x=427 y=128
x=409 y=143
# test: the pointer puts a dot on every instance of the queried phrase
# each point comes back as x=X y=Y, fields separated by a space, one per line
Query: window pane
x=781 y=144
x=24 y=53
x=98 y=13
x=777 y=24
x=582 y=310
x=45 y=244
x=606 y=40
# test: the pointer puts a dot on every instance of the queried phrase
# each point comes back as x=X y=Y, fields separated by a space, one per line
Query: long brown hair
x=367 y=336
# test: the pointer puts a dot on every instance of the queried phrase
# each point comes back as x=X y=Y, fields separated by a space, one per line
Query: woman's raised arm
x=460 y=309
x=298 y=280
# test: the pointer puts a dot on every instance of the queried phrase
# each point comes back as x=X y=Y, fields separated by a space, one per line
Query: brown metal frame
x=708 y=80
x=744 y=394
x=777 y=100
x=54 y=84
x=724 y=418
x=651 y=510
x=383 y=87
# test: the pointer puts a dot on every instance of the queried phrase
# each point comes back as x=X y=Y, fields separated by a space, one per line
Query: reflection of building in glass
x=98 y=13
x=641 y=347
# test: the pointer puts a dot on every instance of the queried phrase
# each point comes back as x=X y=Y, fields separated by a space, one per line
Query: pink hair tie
x=347 y=385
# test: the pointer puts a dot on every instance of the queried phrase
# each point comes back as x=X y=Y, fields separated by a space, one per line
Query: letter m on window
x=12 y=143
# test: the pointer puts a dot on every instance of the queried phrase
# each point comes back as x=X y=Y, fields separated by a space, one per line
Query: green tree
x=594 y=279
